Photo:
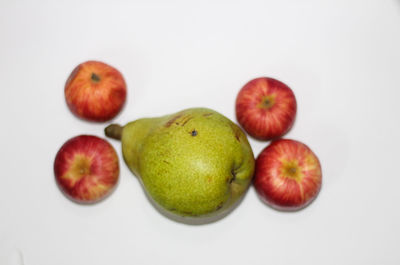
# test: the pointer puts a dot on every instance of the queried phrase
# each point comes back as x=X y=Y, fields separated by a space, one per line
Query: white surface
x=341 y=58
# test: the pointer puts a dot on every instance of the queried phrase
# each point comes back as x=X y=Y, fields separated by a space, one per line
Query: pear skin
x=193 y=163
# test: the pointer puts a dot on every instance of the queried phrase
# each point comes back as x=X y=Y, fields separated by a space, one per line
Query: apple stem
x=114 y=131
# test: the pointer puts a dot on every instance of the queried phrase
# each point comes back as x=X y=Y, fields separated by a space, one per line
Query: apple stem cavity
x=267 y=103
x=95 y=78
x=114 y=131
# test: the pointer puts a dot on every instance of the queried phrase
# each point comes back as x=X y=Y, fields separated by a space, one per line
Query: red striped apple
x=288 y=175
x=95 y=91
x=86 y=168
x=266 y=108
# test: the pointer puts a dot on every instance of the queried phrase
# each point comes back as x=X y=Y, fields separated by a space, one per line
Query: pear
x=193 y=163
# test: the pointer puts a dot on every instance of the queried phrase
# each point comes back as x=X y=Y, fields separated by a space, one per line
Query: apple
x=266 y=108
x=86 y=168
x=287 y=175
x=95 y=91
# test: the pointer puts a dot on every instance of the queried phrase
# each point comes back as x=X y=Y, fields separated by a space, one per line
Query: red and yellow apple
x=86 y=168
x=95 y=91
x=287 y=175
x=266 y=108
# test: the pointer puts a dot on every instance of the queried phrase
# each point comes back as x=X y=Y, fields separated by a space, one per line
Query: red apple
x=266 y=108
x=95 y=91
x=287 y=175
x=86 y=168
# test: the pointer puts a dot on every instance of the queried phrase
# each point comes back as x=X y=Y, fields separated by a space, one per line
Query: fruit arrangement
x=192 y=164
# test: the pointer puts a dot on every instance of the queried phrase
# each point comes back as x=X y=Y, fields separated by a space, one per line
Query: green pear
x=193 y=163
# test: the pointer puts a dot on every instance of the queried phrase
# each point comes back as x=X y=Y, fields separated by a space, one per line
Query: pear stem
x=114 y=131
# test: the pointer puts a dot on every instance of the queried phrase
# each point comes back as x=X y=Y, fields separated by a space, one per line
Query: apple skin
x=266 y=108
x=86 y=168
x=95 y=91
x=288 y=175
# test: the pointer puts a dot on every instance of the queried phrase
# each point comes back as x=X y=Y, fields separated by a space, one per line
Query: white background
x=341 y=58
